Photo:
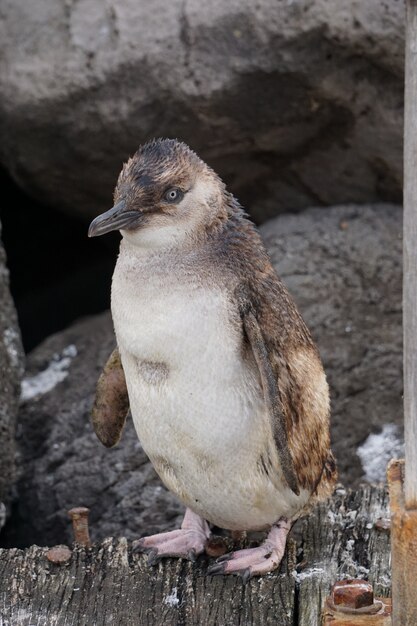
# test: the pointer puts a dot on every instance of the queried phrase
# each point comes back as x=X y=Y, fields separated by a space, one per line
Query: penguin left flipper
x=111 y=404
x=271 y=394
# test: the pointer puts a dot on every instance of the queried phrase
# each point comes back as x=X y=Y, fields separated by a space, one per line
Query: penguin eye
x=173 y=195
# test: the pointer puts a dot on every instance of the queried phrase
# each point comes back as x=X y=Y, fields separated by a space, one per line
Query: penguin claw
x=216 y=569
x=192 y=555
x=138 y=547
x=246 y=575
x=224 y=558
x=153 y=557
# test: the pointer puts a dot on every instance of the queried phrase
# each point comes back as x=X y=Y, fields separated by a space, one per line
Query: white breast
x=197 y=406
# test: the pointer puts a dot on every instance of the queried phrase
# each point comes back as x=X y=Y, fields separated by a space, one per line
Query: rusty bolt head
x=59 y=555
x=352 y=594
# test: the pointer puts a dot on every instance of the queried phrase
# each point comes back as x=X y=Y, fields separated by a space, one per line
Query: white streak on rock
x=55 y=373
x=378 y=450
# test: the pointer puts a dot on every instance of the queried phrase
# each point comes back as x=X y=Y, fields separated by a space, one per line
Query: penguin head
x=165 y=195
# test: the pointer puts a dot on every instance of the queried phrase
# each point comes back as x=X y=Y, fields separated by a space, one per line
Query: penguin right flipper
x=111 y=404
x=271 y=393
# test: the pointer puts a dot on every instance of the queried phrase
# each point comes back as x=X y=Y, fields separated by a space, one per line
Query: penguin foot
x=187 y=542
x=255 y=561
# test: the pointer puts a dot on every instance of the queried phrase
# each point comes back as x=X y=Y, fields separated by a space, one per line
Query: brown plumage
x=183 y=231
x=111 y=405
x=303 y=397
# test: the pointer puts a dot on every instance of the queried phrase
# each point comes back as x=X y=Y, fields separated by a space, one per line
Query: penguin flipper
x=271 y=393
x=111 y=404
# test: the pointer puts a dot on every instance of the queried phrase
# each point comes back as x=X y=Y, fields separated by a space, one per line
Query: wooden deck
x=106 y=585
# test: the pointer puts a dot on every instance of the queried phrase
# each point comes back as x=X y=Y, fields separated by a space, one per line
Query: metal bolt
x=353 y=602
x=79 y=516
x=352 y=594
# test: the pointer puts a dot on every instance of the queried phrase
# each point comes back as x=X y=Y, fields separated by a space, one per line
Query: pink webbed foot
x=187 y=542
x=255 y=561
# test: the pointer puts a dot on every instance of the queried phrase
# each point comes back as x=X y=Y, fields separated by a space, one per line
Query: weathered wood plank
x=106 y=584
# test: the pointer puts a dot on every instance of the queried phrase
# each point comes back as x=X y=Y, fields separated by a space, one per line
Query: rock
x=343 y=266
x=11 y=369
x=295 y=103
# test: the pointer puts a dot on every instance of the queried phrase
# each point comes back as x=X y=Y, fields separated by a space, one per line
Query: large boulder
x=343 y=265
x=11 y=370
x=295 y=103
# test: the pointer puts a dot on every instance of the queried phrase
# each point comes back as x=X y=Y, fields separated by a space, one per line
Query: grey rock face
x=295 y=103
x=343 y=266
x=11 y=369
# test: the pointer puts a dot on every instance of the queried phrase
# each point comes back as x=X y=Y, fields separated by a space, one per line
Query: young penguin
x=225 y=385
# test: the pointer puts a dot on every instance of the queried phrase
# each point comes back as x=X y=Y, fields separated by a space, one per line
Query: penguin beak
x=114 y=219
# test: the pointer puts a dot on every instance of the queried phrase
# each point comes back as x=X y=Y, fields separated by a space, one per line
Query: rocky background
x=296 y=104
x=274 y=94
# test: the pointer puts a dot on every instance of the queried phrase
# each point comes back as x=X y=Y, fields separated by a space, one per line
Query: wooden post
x=410 y=257
x=402 y=477
x=403 y=550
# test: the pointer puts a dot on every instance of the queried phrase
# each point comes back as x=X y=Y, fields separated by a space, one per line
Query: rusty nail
x=58 y=554
x=79 y=516
x=352 y=594
x=216 y=546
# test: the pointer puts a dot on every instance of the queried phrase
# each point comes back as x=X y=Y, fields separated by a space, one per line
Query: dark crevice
x=57 y=274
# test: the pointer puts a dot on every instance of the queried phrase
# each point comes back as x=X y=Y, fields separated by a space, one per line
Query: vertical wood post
x=410 y=257
x=403 y=550
x=402 y=477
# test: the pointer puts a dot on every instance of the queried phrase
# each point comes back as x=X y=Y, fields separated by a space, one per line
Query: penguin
x=224 y=382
